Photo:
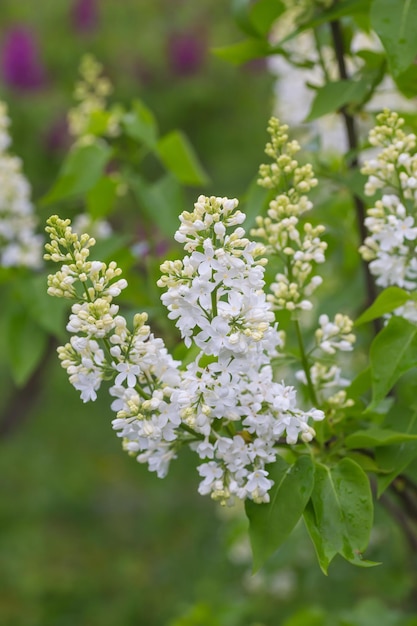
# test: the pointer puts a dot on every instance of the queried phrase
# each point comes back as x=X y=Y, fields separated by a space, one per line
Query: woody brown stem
x=353 y=164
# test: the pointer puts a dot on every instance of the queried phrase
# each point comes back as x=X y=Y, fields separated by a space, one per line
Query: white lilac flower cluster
x=225 y=404
x=391 y=246
x=228 y=394
x=298 y=249
x=91 y=117
x=19 y=243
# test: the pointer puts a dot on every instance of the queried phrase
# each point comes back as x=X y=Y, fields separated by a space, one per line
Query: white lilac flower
x=335 y=335
x=84 y=361
x=20 y=245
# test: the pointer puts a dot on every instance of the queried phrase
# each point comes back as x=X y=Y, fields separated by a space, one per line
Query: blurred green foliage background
x=88 y=536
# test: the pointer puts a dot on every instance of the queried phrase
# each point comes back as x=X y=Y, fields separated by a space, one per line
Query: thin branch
x=352 y=162
x=402 y=520
x=406 y=495
x=24 y=399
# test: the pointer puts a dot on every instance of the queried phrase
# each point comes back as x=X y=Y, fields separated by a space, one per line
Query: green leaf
x=140 y=124
x=375 y=436
x=178 y=156
x=393 y=352
x=396 y=27
x=245 y=51
x=256 y=18
x=81 y=170
x=26 y=344
x=270 y=524
x=407 y=81
x=386 y=302
x=102 y=197
x=394 y=459
x=334 y=95
x=340 y=515
x=264 y=13
x=162 y=202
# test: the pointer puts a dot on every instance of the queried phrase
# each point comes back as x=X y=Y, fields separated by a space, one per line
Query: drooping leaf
x=140 y=124
x=393 y=352
x=102 y=197
x=340 y=515
x=396 y=27
x=270 y=524
x=334 y=95
x=375 y=436
x=386 y=302
x=81 y=170
x=178 y=156
x=162 y=202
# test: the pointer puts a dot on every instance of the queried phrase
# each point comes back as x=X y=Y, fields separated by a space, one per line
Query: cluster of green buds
x=297 y=246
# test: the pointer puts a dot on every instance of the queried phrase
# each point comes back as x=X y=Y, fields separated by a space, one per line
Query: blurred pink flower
x=20 y=62
x=84 y=15
x=187 y=52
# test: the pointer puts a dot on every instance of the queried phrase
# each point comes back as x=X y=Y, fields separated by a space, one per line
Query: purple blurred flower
x=21 y=64
x=84 y=15
x=187 y=52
